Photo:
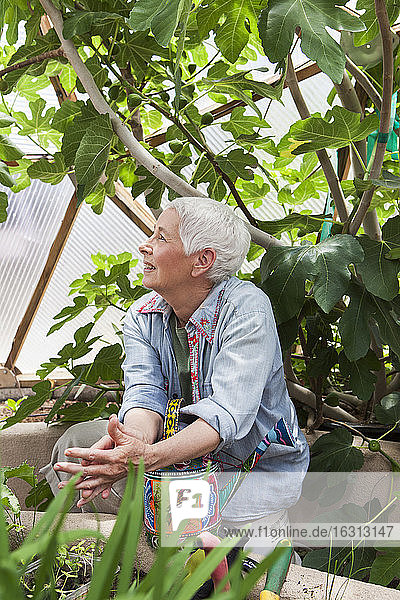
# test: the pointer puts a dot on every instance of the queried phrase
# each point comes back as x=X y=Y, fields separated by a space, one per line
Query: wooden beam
x=44 y=280
x=133 y=209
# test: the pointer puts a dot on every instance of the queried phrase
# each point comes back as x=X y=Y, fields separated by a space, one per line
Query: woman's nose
x=146 y=248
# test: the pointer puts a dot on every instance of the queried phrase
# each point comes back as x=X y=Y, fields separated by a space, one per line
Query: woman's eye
x=161 y=237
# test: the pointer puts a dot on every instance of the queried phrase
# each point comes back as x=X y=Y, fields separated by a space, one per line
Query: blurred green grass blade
x=45 y=570
x=133 y=533
x=9 y=581
x=157 y=570
x=60 y=503
x=175 y=572
x=4 y=546
x=104 y=571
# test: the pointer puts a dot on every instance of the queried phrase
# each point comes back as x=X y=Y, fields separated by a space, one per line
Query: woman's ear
x=204 y=260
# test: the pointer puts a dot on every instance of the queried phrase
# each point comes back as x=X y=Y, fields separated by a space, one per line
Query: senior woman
x=204 y=335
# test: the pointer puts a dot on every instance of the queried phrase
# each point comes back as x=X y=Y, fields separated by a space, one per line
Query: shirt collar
x=204 y=318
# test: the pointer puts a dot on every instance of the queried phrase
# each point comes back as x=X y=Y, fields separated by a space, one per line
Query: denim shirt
x=238 y=385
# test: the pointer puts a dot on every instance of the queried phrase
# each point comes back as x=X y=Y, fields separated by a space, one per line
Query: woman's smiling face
x=166 y=266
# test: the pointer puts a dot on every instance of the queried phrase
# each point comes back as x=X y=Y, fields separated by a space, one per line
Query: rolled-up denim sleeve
x=144 y=381
x=240 y=371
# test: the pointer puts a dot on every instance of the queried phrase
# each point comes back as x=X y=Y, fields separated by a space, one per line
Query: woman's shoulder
x=244 y=297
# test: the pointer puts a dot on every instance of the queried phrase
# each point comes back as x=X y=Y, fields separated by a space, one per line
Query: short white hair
x=206 y=223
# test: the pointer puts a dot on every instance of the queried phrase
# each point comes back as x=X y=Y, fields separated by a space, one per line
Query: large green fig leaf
x=75 y=132
x=66 y=114
x=49 y=172
x=160 y=16
x=378 y=273
x=362 y=378
x=353 y=325
x=370 y=20
x=205 y=172
x=106 y=365
x=89 y=22
x=241 y=124
x=386 y=566
x=39 y=121
x=8 y=150
x=238 y=163
x=279 y=20
x=285 y=269
x=5 y=177
x=152 y=187
x=69 y=312
x=335 y=452
x=138 y=51
x=391 y=235
x=389 y=327
x=92 y=155
x=332 y=258
x=241 y=87
x=388 y=411
x=231 y=33
x=337 y=129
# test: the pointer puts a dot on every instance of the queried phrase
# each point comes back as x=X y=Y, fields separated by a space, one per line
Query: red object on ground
x=210 y=541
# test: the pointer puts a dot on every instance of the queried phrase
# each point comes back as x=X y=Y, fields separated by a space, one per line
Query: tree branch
x=331 y=177
x=384 y=125
x=31 y=61
x=307 y=397
x=350 y=101
x=365 y=83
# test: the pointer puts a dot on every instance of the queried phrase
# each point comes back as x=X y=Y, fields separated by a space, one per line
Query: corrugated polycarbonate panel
x=112 y=232
x=34 y=217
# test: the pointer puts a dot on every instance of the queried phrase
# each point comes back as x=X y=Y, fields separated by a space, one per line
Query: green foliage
x=241 y=87
x=386 y=566
x=92 y=154
x=388 y=410
x=8 y=150
x=49 y=172
x=360 y=372
x=166 y=578
x=241 y=124
x=335 y=452
x=337 y=129
x=279 y=20
x=42 y=392
x=5 y=177
x=284 y=271
x=370 y=20
x=354 y=324
x=153 y=187
x=3 y=206
x=232 y=34
x=85 y=22
x=161 y=18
